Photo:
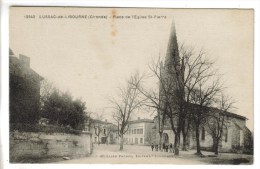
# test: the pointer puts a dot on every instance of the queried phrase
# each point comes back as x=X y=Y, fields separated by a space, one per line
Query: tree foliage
x=61 y=109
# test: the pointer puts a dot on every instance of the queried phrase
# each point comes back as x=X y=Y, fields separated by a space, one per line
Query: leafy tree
x=60 y=108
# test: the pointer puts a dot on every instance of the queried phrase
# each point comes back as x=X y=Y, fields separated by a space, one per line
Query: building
x=236 y=136
x=103 y=132
x=140 y=132
x=24 y=90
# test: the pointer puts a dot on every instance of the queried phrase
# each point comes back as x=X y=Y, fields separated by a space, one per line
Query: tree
x=78 y=115
x=218 y=120
x=47 y=88
x=60 y=108
x=203 y=97
x=177 y=80
x=153 y=99
x=149 y=137
x=128 y=101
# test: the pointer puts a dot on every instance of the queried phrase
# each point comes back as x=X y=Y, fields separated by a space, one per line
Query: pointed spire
x=172 y=54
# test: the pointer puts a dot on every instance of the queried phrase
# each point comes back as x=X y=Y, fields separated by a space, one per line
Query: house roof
x=141 y=121
x=113 y=126
x=100 y=121
x=17 y=69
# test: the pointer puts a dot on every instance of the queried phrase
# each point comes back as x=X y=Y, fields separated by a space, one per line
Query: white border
x=4 y=125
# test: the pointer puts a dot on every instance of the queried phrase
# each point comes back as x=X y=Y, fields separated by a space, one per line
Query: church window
x=203 y=133
x=225 y=134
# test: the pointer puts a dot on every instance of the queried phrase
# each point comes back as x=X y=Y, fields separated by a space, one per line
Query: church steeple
x=172 y=55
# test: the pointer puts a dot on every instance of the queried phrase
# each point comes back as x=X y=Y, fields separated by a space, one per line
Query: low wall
x=47 y=145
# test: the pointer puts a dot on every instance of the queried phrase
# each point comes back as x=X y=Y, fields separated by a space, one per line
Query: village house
x=139 y=132
x=103 y=132
x=24 y=90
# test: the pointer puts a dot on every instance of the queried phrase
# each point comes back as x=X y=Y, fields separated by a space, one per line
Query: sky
x=92 y=57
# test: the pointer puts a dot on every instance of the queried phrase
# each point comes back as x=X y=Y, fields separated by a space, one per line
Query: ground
x=110 y=154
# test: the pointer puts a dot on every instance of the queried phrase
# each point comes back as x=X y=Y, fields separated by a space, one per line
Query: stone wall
x=26 y=145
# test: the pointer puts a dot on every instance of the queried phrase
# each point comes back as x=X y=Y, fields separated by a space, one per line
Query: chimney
x=11 y=53
x=25 y=60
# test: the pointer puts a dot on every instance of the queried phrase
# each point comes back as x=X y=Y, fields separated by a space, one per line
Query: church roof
x=229 y=114
x=172 y=53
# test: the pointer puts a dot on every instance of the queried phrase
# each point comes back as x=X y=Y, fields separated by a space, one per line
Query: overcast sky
x=92 y=57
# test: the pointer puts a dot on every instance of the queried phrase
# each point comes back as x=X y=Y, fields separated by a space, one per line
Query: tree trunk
x=177 y=144
x=185 y=142
x=198 y=140
x=121 y=142
x=160 y=140
x=215 y=146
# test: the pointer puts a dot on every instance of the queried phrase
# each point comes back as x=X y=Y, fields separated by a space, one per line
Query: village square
x=177 y=112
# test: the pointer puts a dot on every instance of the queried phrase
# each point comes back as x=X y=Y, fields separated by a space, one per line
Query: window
x=203 y=133
x=141 y=140
x=105 y=131
x=136 y=140
x=111 y=137
x=86 y=128
x=225 y=134
x=134 y=131
x=138 y=131
x=141 y=131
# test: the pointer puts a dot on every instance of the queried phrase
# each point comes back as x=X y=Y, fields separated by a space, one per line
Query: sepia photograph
x=131 y=86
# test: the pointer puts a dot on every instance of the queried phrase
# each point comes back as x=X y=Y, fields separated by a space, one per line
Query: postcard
x=131 y=85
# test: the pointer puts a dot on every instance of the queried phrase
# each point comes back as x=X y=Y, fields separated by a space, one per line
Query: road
x=132 y=154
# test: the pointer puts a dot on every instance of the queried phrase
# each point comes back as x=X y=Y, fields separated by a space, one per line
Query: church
x=235 y=137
